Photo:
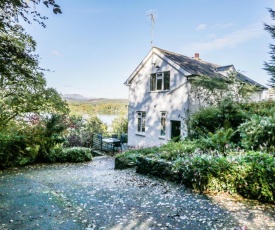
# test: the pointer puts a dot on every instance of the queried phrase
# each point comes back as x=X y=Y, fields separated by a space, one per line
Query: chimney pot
x=197 y=56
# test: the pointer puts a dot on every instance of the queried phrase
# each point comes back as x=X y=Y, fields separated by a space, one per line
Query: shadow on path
x=95 y=196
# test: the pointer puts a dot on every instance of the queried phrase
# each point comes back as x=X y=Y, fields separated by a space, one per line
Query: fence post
x=92 y=140
x=101 y=142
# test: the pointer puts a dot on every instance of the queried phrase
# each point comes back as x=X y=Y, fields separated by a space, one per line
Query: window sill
x=140 y=134
x=162 y=137
x=160 y=91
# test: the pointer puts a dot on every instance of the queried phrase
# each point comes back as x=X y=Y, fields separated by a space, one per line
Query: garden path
x=95 y=196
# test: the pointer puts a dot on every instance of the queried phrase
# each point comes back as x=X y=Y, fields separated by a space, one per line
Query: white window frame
x=159 y=76
x=141 y=122
x=163 y=115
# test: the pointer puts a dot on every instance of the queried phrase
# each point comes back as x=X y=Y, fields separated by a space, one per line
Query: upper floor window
x=160 y=81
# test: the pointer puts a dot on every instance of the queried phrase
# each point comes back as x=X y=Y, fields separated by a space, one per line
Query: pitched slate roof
x=201 y=68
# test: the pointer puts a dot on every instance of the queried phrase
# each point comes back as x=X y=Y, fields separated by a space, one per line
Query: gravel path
x=94 y=196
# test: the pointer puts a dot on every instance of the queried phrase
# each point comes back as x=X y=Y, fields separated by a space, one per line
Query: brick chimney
x=197 y=56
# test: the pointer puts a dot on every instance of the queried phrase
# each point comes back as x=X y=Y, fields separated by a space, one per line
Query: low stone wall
x=96 y=153
x=159 y=168
x=149 y=166
x=124 y=163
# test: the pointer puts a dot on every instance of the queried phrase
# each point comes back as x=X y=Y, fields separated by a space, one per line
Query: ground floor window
x=163 y=123
x=141 y=122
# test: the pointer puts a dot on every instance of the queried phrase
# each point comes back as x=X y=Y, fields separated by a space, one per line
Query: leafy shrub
x=74 y=154
x=79 y=131
x=219 y=141
x=49 y=132
x=256 y=176
x=10 y=149
x=258 y=133
x=32 y=139
x=204 y=121
x=227 y=114
x=18 y=146
x=198 y=171
x=261 y=108
x=231 y=113
x=170 y=151
x=120 y=124
x=252 y=174
x=134 y=153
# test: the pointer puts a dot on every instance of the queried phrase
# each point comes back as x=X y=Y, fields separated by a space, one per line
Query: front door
x=175 y=130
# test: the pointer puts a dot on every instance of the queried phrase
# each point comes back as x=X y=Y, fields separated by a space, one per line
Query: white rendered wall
x=174 y=102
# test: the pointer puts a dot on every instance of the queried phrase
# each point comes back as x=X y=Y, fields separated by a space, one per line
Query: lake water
x=107 y=118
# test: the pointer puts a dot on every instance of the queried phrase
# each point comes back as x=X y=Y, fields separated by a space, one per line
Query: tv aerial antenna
x=153 y=15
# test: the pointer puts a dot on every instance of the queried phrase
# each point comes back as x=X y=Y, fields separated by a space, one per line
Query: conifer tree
x=270 y=66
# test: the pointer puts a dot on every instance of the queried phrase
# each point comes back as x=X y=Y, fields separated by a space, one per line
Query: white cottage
x=158 y=95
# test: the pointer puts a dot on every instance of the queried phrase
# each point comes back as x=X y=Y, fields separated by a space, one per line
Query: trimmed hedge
x=158 y=167
x=124 y=163
x=75 y=154
x=250 y=174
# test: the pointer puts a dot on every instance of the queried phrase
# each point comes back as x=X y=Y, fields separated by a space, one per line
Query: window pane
x=159 y=84
x=143 y=122
x=139 y=124
x=143 y=126
x=163 y=124
x=166 y=80
x=153 y=82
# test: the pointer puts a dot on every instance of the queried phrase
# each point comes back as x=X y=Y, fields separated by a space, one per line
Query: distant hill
x=81 y=105
x=80 y=98
x=74 y=97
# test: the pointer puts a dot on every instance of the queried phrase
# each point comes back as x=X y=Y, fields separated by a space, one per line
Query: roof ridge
x=192 y=58
x=194 y=66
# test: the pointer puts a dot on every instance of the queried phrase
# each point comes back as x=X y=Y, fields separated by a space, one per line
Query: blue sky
x=95 y=45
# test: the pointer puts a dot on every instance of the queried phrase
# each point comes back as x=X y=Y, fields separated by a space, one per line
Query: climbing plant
x=207 y=91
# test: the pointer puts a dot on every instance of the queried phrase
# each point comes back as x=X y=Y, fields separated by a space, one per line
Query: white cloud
x=230 y=40
x=201 y=27
x=211 y=36
x=224 y=26
x=57 y=53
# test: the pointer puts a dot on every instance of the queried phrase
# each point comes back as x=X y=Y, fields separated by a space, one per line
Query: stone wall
x=159 y=168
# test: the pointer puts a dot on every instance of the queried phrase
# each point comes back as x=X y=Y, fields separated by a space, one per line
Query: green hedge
x=18 y=151
x=251 y=174
x=74 y=154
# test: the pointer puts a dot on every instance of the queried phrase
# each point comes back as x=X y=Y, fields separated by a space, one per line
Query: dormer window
x=160 y=81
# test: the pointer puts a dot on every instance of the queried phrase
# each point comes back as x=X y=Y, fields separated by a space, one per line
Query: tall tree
x=270 y=66
x=12 y=54
x=22 y=85
x=12 y=10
